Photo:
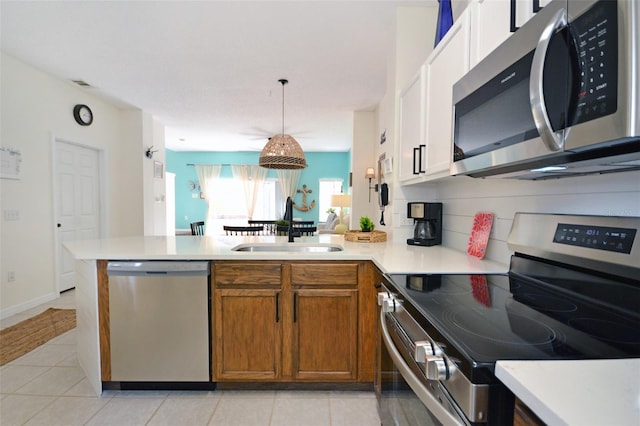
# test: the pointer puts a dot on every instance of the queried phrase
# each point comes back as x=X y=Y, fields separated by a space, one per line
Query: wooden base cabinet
x=325 y=321
x=247 y=324
x=248 y=334
x=325 y=335
x=309 y=322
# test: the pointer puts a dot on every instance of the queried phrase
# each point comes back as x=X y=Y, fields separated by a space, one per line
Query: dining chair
x=298 y=230
x=243 y=230
x=269 y=225
x=304 y=223
x=305 y=230
x=197 y=228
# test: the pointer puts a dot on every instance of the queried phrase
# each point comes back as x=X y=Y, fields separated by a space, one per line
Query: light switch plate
x=11 y=214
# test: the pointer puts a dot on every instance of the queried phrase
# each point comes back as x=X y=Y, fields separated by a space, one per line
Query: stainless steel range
x=572 y=292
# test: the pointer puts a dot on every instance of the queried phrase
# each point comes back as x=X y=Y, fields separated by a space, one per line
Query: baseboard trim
x=16 y=309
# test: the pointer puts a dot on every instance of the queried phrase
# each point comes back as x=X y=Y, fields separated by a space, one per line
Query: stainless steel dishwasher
x=159 y=317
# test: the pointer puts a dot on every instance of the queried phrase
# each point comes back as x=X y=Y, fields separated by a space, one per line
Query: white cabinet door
x=411 y=126
x=490 y=26
x=444 y=67
x=525 y=9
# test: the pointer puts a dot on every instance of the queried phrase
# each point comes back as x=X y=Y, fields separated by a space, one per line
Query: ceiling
x=209 y=70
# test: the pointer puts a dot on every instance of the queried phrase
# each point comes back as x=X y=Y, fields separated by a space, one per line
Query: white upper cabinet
x=411 y=127
x=426 y=113
x=445 y=66
x=523 y=10
x=491 y=25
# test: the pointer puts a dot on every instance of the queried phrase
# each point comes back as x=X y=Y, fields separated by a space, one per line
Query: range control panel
x=619 y=240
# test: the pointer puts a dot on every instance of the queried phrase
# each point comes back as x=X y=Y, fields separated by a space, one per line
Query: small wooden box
x=365 y=237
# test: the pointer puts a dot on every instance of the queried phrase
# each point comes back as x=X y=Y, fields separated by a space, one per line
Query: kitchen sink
x=290 y=247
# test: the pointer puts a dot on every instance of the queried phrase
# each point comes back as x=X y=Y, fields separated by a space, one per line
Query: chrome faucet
x=288 y=216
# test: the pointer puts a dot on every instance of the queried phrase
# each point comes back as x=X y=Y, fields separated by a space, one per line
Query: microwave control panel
x=596 y=36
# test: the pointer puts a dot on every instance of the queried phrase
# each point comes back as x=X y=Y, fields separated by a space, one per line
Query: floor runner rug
x=27 y=335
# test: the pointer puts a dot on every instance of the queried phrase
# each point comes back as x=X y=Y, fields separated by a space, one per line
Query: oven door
x=406 y=396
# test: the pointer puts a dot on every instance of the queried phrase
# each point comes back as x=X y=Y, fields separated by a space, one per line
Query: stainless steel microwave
x=558 y=98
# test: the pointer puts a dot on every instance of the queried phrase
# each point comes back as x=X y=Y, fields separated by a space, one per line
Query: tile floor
x=47 y=387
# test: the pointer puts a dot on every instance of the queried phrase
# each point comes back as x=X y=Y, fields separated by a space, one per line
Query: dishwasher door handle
x=158 y=267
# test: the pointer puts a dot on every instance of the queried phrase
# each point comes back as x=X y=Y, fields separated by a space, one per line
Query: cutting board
x=479 y=237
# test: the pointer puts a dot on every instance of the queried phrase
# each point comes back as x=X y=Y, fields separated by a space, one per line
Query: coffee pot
x=427 y=219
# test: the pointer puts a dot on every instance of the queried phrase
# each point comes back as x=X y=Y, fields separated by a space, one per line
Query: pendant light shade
x=282 y=151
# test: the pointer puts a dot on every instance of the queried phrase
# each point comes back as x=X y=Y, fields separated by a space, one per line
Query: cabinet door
x=411 y=127
x=248 y=334
x=325 y=330
x=445 y=66
x=523 y=10
x=490 y=26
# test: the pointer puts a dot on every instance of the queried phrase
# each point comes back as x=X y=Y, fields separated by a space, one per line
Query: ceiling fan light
x=282 y=152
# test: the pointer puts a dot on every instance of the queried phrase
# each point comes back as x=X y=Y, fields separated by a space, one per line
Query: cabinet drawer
x=247 y=274
x=337 y=274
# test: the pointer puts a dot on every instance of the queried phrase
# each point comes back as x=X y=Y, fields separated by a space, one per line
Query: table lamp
x=342 y=201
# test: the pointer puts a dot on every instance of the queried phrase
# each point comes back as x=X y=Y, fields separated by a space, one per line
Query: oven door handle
x=432 y=404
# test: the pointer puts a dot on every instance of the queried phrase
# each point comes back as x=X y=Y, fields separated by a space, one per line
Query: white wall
x=415 y=35
x=35 y=109
x=362 y=156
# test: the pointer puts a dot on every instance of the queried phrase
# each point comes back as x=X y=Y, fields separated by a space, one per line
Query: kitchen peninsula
x=387 y=257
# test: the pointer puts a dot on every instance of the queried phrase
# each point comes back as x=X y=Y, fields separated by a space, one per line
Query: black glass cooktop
x=552 y=314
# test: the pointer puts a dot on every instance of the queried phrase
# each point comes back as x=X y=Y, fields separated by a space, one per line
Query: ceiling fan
x=257 y=133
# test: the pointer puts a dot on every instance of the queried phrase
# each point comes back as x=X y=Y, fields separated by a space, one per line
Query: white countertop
x=390 y=257
x=584 y=392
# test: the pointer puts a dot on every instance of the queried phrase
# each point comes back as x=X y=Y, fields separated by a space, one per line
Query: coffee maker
x=427 y=220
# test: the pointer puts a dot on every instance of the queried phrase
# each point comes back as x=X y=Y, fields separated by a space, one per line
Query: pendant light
x=282 y=151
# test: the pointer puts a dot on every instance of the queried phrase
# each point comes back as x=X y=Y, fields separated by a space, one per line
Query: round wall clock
x=83 y=114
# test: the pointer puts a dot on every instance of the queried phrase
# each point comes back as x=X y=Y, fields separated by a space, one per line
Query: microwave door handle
x=553 y=140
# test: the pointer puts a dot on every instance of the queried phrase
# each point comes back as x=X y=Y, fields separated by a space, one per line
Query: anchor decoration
x=304 y=207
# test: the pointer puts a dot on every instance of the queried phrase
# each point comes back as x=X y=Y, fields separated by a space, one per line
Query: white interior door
x=77 y=204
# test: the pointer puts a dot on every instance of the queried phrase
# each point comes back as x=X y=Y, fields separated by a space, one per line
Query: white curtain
x=207 y=177
x=288 y=180
x=252 y=178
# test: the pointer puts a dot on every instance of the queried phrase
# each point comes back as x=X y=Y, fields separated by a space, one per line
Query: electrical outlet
x=11 y=276
x=186 y=217
x=11 y=214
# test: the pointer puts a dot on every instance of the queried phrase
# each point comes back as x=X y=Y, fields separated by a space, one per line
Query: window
x=328 y=187
x=229 y=205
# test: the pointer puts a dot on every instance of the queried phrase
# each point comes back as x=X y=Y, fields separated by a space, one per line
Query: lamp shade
x=370 y=173
x=340 y=200
x=282 y=152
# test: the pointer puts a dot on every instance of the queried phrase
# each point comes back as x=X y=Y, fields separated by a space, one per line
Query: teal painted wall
x=321 y=165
